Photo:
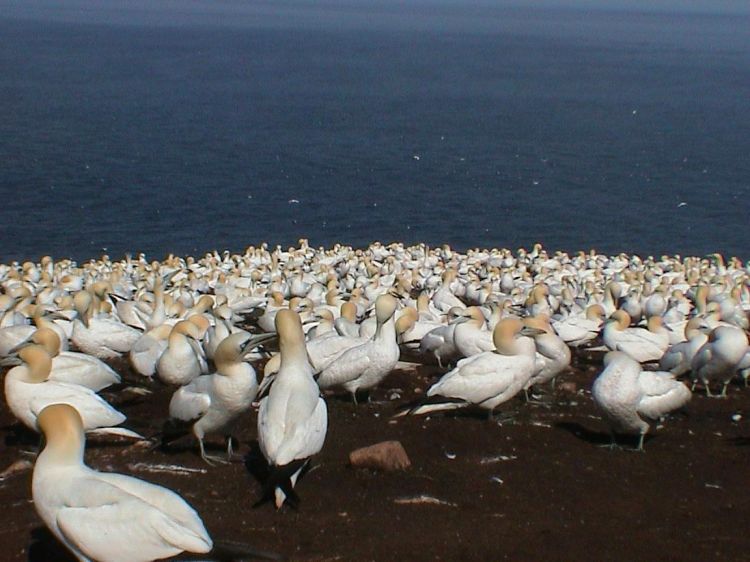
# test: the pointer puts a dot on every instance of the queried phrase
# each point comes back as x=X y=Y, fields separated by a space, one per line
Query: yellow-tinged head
x=621 y=317
x=504 y=335
x=38 y=362
x=349 y=311
x=62 y=427
x=48 y=339
x=385 y=306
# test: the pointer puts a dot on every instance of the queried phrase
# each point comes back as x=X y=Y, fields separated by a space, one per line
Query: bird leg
x=612 y=445
x=230 y=448
x=640 y=443
x=210 y=459
x=724 y=390
x=708 y=390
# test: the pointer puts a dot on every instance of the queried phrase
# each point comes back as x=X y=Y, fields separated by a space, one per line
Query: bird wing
x=322 y=352
x=702 y=358
x=306 y=437
x=476 y=378
x=639 y=343
x=661 y=393
x=346 y=367
x=433 y=339
x=191 y=401
x=83 y=369
x=95 y=412
x=128 y=529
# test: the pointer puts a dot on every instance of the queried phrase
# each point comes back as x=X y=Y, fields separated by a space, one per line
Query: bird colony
x=266 y=337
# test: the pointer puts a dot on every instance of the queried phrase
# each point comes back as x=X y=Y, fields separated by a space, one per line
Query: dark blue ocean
x=186 y=126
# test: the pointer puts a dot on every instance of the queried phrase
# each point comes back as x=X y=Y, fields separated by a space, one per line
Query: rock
x=568 y=386
x=387 y=456
x=16 y=468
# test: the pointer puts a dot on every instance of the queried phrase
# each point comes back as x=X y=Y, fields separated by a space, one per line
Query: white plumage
x=28 y=391
x=103 y=516
x=630 y=396
x=217 y=399
x=293 y=418
x=719 y=358
x=491 y=378
x=364 y=366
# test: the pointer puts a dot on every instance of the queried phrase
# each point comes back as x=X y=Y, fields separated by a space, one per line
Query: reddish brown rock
x=387 y=456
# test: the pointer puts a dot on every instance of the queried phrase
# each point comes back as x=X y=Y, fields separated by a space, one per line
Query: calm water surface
x=182 y=127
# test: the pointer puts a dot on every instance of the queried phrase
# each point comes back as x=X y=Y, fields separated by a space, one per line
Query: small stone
x=568 y=386
x=16 y=468
x=387 y=456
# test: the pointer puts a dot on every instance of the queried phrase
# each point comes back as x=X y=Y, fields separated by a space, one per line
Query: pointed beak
x=531 y=332
x=57 y=316
x=255 y=341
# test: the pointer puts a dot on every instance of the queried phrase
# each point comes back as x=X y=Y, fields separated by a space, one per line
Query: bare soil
x=533 y=484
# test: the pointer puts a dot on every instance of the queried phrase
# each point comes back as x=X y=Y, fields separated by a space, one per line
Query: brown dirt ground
x=536 y=487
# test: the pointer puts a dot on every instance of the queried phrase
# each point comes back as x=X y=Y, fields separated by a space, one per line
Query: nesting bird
x=29 y=389
x=487 y=379
x=105 y=516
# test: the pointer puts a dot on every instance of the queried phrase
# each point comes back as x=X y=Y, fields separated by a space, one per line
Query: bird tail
x=430 y=404
x=231 y=551
x=171 y=430
x=116 y=432
x=281 y=477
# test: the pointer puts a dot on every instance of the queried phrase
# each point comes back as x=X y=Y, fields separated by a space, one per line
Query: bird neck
x=64 y=447
x=293 y=354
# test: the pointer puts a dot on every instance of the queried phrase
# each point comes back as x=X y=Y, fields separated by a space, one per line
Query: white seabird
x=491 y=378
x=105 y=516
x=293 y=418
x=629 y=396
x=217 y=399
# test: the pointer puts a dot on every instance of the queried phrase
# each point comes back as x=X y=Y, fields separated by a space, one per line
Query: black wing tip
x=280 y=477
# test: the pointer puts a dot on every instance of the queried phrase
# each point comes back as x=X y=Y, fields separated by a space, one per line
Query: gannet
x=444 y=299
x=469 y=335
x=678 y=358
x=99 y=334
x=73 y=367
x=183 y=359
x=439 y=342
x=629 y=396
x=552 y=354
x=106 y=516
x=491 y=378
x=719 y=358
x=641 y=344
x=28 y=390
x=577 y=331
x=146 y=351
x=364 y=366
x=346 y=323
x=412 y=329
x=217 y=399
x=292 y=419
